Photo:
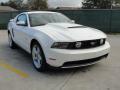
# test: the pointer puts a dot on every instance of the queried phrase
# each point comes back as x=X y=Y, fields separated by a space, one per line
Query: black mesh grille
x=83 y=62
x=86 y=44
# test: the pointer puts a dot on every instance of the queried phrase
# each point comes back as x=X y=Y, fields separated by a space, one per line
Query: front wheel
x=38 y=58
x=11 y=42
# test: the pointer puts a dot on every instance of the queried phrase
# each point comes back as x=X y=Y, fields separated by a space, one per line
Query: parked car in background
x=54 y=40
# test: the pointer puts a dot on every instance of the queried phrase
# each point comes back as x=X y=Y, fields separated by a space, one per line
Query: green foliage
x=17 y=4
x=96 y=4
x=30 y=5
x=2 y=4
x=117 y=1
x=37 y=4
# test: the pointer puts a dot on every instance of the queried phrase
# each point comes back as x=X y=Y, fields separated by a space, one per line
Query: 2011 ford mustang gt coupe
x=54 y=40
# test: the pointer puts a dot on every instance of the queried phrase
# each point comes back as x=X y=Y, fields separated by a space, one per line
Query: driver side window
x=22 y=18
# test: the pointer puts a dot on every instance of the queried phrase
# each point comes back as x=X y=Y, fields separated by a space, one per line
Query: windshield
x=38 y=19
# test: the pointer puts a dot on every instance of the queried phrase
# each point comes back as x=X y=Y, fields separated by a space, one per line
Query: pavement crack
x=68 y=79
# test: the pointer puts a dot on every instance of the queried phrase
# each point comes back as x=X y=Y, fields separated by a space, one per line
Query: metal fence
x=5 y=17
x=105 y=20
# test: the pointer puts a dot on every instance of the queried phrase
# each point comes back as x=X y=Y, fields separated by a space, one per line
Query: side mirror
x=11 y=20
x=21 y=23
x=73 y=21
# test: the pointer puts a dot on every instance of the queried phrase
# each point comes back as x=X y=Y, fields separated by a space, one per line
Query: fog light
x=52 y=59
x=101 y=41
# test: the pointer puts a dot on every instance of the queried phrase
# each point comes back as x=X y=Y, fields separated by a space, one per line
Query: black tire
x=12 y=45
x=43 y=64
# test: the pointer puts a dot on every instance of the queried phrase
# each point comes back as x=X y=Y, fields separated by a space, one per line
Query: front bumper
x=59 y=57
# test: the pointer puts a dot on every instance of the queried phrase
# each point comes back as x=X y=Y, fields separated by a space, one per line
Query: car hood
x=70 y=32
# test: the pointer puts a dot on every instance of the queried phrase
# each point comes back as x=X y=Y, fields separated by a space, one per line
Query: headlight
x=60 y=45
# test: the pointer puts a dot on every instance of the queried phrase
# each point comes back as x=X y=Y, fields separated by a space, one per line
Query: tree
x=37 y=4
x=116 y=4
x=97 y=4
x=116 y=1
x=17 y=4
x=2 y=4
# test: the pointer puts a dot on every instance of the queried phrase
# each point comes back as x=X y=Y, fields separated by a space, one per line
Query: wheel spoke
x=39 y=57
x=36 y=54
x=10 y=40
x=35 y=51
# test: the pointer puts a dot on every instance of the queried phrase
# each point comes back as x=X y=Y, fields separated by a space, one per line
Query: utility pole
x=111 y=4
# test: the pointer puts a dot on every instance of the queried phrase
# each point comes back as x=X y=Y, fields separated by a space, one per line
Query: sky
x=65 y=3
x=3 y=0
x=61 y=3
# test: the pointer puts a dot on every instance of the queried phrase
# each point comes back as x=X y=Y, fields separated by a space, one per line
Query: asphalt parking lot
x=17 y=72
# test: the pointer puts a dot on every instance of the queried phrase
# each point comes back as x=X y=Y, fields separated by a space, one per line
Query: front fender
x=44 y=40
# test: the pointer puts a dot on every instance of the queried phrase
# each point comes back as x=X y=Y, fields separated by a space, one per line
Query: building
x=6 y=9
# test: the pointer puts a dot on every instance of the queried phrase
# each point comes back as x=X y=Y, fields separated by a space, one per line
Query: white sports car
x=54 y=40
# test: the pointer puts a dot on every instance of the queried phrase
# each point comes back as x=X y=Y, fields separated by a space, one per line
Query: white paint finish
x=62 y=56
x=58 y=32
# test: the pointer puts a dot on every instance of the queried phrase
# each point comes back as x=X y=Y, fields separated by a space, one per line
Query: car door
x=22 y=31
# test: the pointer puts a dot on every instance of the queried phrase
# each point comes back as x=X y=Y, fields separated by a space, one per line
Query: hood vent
x=78 y=27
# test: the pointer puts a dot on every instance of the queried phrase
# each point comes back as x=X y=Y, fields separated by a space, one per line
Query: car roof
x=39 y=12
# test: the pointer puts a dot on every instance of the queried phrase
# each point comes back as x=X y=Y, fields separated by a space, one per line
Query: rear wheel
x=38 y=57
x=11 y=42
